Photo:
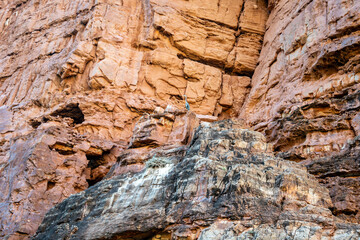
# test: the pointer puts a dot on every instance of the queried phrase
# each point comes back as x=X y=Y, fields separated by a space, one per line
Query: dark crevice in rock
x=136 y=235
x=146 y=143
x=50 y=185
x=92 y=182
x=347 y=212
x=342 y=174
x=71 y=110
x=345 y=31
x=95 y=161
x=63 y=149
x=34 y=123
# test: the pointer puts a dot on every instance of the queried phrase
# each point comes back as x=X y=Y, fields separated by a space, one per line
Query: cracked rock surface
x=305 y=90
x=93 y=68
x=94 y=89
x=228 y=185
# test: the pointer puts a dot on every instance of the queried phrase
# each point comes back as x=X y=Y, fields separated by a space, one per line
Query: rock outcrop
x=76 y=78
x=226 y=185
x=161 y=134
x=88 y=70
x=43 y=168
x=306 y=86
x=305 y=90
x=161 y=49
x=340 y=173
x=54 y=161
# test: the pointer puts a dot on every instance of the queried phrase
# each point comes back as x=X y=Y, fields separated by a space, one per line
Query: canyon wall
x=305 y=93
x=226 y=185
x=76 y=77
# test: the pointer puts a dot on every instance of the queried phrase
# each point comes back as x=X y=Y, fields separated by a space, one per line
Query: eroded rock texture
x=44 y=167
x=162 y=49
x=226 y=185
x=305 y=93
x=75 y=77
x=305 y=90
x=340 y=174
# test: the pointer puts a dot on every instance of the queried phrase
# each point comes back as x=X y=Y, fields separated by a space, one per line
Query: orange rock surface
x=85 y=83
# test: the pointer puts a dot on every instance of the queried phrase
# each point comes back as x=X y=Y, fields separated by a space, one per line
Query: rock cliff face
x=305 y=93
x=340 y=174
x=76 y=77
x=227 y=185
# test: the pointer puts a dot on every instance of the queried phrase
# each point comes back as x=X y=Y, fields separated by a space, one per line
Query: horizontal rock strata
x=341 y=174
x=96 y=89
x=92 y=69
x=228 y=185
x=305 y=90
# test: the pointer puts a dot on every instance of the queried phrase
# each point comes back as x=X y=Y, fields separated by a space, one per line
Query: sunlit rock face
x=93 y=90
x=226 y=185
x=63 y=50
x=84 y=72
x=305 y=90
x=305 y=93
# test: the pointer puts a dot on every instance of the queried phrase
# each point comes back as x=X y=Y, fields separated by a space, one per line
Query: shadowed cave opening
x=347 y=212
x=71 y=110
x=50 y=185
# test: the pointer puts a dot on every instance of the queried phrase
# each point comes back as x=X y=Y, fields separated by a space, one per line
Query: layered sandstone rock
x=164 y=133
x=90 y=69
x=305 y=90
x=340 y=174
x=159 y=49
x=43 y=168
x=75 y=77
x=314 y=48
x=228 y=185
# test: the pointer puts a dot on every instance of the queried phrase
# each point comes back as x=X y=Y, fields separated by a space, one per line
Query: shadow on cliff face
x=341 y=175
x=72 y=111
x=99 y=165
